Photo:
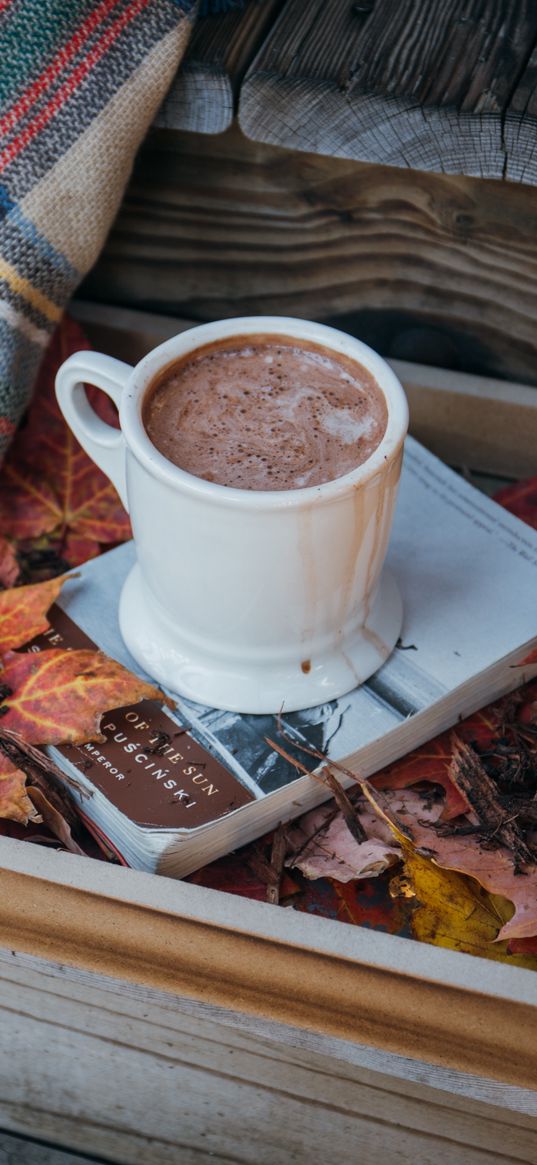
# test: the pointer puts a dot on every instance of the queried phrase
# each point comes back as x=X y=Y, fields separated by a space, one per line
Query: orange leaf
x=48 y=484
x=15 y=803
x=23 y=612
x=60 y=696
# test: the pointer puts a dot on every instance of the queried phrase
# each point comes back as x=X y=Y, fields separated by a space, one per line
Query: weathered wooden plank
x=203 y=95
x=140 y=1076
x=20 y=1151
x=472 y=422
x=186 y=1018
x=396 y=82
x=520 y=127
x=422 y=266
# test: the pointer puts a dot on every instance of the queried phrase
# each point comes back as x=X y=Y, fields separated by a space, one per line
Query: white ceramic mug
x=250 y=600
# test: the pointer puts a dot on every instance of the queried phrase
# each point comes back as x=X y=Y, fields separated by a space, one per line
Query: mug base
x=250 y=687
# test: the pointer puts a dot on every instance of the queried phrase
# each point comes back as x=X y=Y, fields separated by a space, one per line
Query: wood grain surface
x=418 y=1003
x=139 y=1076
x=425 y=267
x=447 y=86
x=203 y=95
x=17 y=1150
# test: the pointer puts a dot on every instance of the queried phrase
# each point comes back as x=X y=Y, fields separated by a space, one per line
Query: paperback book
x=170 y=790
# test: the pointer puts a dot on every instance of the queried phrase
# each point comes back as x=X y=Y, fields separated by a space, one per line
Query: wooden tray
x=150 y=1020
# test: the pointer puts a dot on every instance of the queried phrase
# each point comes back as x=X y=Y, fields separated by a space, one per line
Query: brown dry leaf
x=325 y=848
x=15 y=803
x=59 y=696
x=54 y=820
x=23 y=611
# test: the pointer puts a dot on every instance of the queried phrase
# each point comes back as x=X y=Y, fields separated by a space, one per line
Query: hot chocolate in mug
x=255 y=600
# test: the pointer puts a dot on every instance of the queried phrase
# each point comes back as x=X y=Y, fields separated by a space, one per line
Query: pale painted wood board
x=18 y=1151
x=126 y=1077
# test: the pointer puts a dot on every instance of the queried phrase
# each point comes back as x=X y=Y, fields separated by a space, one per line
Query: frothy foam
x=266 y=414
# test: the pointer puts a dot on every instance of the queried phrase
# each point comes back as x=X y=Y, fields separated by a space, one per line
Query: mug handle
x=104 y=444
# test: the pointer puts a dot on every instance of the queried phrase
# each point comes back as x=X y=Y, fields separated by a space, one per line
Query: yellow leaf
x=454 y=911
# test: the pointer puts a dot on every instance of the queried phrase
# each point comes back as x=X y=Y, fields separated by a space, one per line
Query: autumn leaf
x=530 y=658
x=9 y=566
x=59 y=696
x=15 y=803
x=77 y=548
x=520 y=499
x=54 y=820
x=48 y=484
x=493 y=868
x=454 y=911
x=523 y=946
x=28 y=504
x=23 y=612
x=325 y=848
x=432 y=761
x=429 y=763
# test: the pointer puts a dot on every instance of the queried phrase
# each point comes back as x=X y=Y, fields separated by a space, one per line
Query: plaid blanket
x=79 y=86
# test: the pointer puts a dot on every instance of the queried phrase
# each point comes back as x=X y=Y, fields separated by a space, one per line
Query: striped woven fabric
x=80 y=83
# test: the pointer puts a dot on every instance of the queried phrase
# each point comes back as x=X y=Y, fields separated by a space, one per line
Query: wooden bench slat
x=405 y=84
x=429 y=267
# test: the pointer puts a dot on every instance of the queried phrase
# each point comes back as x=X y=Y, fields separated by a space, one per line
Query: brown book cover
x=149 y=766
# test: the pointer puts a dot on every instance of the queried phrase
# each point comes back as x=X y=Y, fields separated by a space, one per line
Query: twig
x=277 y=858
x=327 y=778
x=376 y=798
x=470 y=777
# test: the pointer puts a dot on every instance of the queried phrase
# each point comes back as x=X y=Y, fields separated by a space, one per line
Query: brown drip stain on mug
x=305 y=666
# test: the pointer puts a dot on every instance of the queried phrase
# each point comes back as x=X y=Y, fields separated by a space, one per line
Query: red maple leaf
x=429 y=763
x=48 y=484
